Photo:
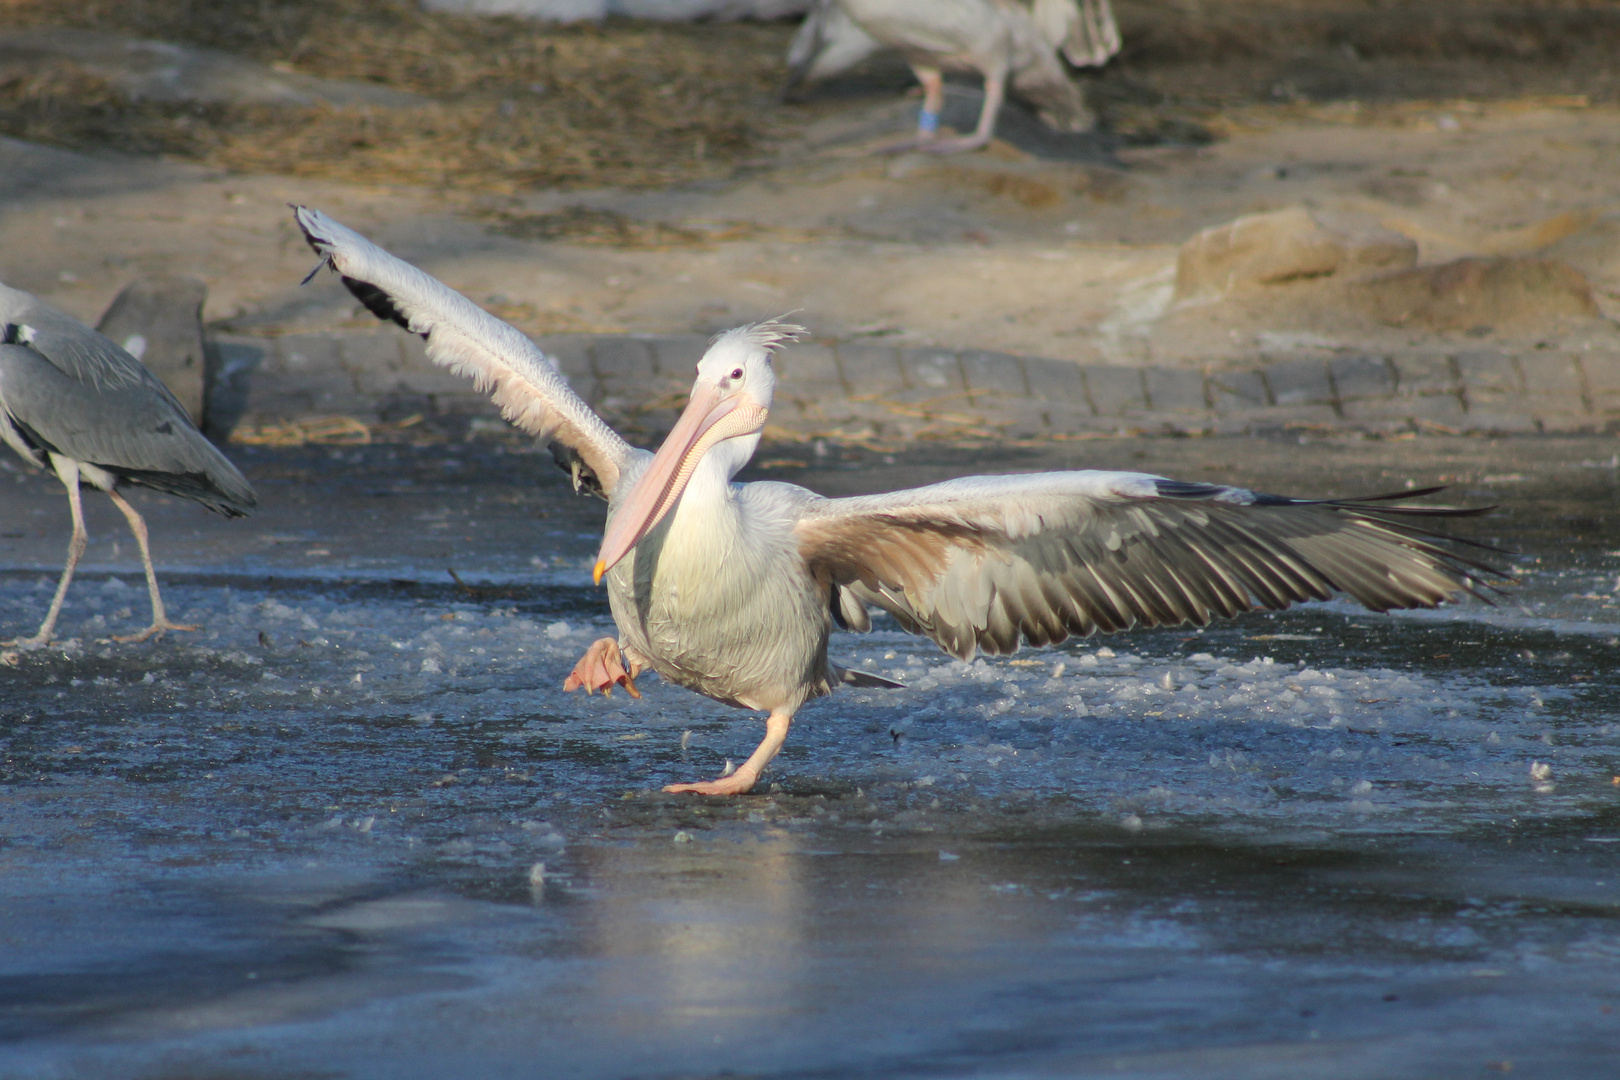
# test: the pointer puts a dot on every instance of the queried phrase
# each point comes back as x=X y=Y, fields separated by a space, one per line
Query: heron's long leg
x=68 y=472
x=776 y=729
x=160 y=619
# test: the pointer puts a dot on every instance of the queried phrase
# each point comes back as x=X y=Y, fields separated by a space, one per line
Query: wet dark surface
x=353 y=827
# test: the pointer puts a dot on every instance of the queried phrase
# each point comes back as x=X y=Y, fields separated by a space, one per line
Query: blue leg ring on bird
x=927 y=122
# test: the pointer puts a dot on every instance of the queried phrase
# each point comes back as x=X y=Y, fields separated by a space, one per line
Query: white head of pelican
x=714 y=438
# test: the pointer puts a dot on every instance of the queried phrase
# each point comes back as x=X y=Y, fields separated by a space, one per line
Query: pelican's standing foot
x=776 y=729
x=602 y=668
x=158 y=628
x=735 y=784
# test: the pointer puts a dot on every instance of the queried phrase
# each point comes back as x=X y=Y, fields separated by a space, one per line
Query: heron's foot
x=738 y=782
x=602 y=668
x=158 y=628
x=27 y=644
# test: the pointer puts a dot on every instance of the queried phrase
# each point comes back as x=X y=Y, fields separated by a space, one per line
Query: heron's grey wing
x=129 y=425
x=1085 y=30
x=463 y=337
x=827 y=42
x=984 y=562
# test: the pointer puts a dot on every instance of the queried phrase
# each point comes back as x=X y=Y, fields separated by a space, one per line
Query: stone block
x=1487 y=372
x=1175 y=390
x=1553 y=376
x=432 y=381
x=933 y=371
x=998 y=372
x=622 y=360
x=358 y=353
x=1115 y=391
x=1357 y=377
x=1422 y=374
x=1154 y=422
x=809 y=369
x=1298 y=382
x=1016 y=418
x=1565 y=422
x=1283 y=246
x=1506 y=419
x=871 y=370
x=1283 y=417
x=572 y=353
x=1443 y=409
x=1056 y=381
x=1064 y=418
x=677 y=356
x=1237 y=392
x=1498 y=292
x=304 y=353
x=1602 y=370
x=158 y=320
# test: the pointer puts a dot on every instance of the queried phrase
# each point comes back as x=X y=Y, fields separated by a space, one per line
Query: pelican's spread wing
x=1084 y=30
x=984 y=562
x=465 y=338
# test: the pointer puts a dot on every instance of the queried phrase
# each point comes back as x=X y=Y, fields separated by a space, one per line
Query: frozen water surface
x=353 y=827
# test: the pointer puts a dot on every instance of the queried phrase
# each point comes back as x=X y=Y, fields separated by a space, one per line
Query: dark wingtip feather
x=378 y=302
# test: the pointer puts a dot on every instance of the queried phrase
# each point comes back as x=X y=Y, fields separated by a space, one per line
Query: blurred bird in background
x=1008 y=42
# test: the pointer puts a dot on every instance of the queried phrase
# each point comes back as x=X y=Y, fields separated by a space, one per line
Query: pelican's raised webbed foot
x=602 y=668
x=776 y=729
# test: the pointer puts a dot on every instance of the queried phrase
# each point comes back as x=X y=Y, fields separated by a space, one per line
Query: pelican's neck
x=711 y=480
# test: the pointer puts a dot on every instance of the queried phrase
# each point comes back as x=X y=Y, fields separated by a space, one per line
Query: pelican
x=1000 y=39
x=74 y=402
x=732 y=590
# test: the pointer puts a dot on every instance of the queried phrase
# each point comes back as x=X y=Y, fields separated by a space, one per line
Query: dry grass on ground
x=516 y=104
x=519 y=105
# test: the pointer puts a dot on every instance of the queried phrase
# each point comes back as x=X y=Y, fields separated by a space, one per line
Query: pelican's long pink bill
x=708 y=419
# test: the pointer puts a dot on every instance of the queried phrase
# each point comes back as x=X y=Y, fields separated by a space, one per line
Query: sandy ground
x=997 y=250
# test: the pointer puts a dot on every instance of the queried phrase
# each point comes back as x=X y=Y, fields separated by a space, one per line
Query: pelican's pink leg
x=601 y=668
x=995 y=90
x=776 y=729
x=933 y=84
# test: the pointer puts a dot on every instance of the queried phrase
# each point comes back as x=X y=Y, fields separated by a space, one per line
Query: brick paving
x=888 y=392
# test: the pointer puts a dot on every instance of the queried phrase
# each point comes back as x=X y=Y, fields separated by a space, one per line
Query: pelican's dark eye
x=737 y=374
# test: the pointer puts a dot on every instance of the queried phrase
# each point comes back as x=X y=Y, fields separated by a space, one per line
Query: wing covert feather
x=985 y=563
x=466 y=339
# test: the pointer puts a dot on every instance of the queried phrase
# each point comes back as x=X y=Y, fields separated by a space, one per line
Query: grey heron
x=1002 y=40
x=732 y=590
x=74 y=402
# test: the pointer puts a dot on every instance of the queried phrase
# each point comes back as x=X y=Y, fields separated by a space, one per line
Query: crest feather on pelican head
x=769 y=335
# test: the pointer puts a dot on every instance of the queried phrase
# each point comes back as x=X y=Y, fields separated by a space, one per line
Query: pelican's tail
x=853 y=677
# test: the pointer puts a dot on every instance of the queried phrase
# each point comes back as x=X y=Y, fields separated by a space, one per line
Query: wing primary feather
x=464 y=338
